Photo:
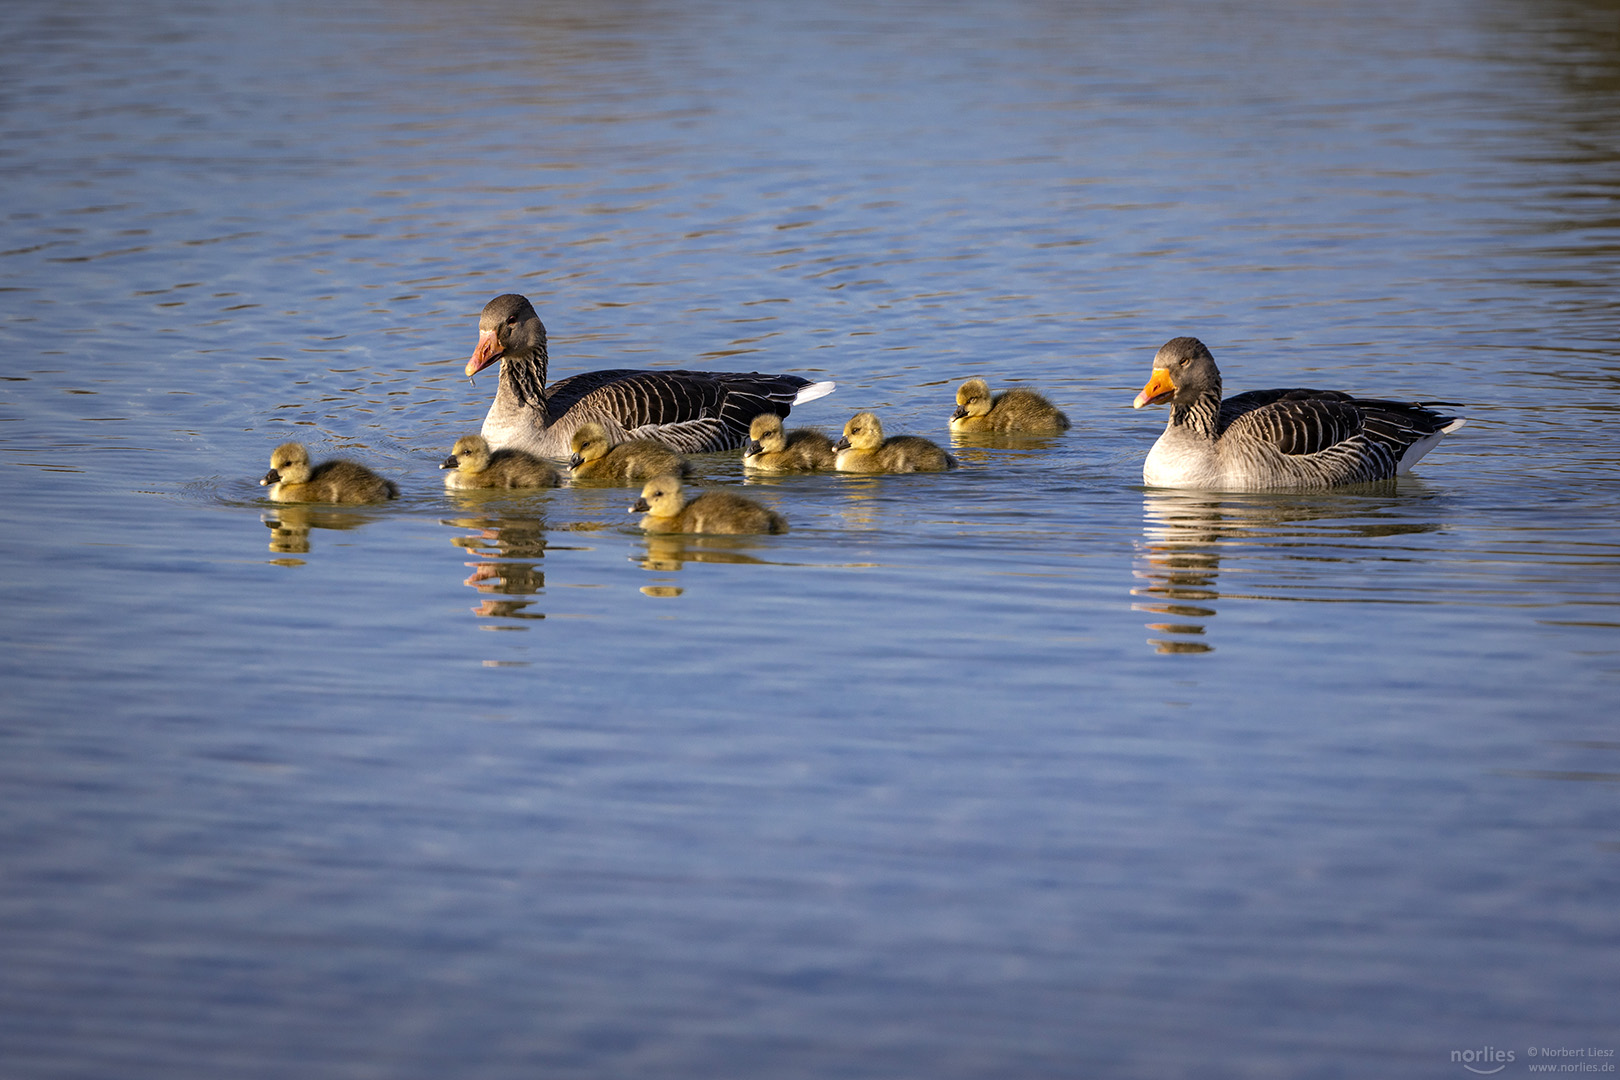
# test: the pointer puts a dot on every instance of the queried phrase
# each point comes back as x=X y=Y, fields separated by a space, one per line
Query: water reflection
x=290 y=526
x=987 y=448
x=668 y=552
x=1185 y=534
x=507 y=568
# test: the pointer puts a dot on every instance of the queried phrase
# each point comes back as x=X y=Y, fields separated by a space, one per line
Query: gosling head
x=765 y=435
x=469 y=455
x=288 y=465
x=661 y=497
x=972 y=399
x=863 y=432
x=590 y=442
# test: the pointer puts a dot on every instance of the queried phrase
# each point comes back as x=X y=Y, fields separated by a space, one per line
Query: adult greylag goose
x=595 y=457
x=770 y=449
x=474 y=465
x=863 y=449
x=694 y=412
x=292 y=479
x=1015 y=411
x=1273 y=440
x=666 y=510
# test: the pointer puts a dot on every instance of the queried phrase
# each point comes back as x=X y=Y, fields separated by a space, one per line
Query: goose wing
x=1294 y=422
x=691 y=411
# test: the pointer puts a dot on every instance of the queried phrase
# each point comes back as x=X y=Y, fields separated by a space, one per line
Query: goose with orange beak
x=1276 y=440
x=691 y=412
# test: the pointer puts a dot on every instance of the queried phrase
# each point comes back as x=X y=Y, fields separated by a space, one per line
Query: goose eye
x=512 y=320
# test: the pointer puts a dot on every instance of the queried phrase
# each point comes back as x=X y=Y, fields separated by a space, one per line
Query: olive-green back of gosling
x=290 y=479
x=633 y=462
x=801 y=450
x=711 y=512
x=336 y=482
x=505 y=468
x=899 y=454
x=1009 y=412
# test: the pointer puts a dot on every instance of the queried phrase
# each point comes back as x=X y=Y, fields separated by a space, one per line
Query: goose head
x=288 y=465
x=1183 y=372
x=469 y=455
x=972 y=399
x=661 y=497
x=508 y=326
x=589 y=442
x=765 y=435
x=863 y=432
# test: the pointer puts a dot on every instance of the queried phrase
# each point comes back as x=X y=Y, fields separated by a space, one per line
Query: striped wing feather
x=692 y=411
x=1294 y=422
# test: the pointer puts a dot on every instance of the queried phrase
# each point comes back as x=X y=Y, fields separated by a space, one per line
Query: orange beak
x=488 y=351
x=1159 y=388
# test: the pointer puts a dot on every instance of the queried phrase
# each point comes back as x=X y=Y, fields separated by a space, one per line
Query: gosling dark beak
x=841 y=444
x=961 y=411
x=575 y=461
x=641 y=507
x=752 y=448
x=271 y=477
x=450 y=463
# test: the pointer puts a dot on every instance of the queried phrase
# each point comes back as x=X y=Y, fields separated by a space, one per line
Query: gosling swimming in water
x=769 y=449
x=291 y=479
x=1011 y=411
x=595 y=458
x=473 y=465
x=863 y=449
x=666 y=510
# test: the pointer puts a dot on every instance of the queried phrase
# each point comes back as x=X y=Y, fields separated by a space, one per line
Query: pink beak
x=488 y=351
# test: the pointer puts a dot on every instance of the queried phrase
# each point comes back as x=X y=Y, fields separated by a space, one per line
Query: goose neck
x=524 y=375
x=1201 y=415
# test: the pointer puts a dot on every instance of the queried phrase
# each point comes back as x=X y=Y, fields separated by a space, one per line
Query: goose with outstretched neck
x=693 y=412
x=1276 y=440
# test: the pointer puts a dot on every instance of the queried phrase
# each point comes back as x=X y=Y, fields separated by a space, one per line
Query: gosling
x=291 y=479
x=1011 y=411
x=596 y=458
x=769 y=449
x=473 y=465
x=863 y=449
x=666 y=510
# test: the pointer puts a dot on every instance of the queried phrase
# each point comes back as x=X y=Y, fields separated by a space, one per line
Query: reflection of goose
x=291 y=479
x=1275 y=439
x=691 y=411
x=770 y=449
x=594 y=457
x=1297 y=543
x=863 y=449
x=1015 y=410
x=667 y=511
x=474 y=465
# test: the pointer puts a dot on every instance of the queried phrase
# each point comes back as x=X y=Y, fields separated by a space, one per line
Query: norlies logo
x=1486 y=1061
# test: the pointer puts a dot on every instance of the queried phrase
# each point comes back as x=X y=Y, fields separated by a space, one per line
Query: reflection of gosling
x=1010 y=411
x=474 y=466
x=769 y=449
x=595 y=458
x=290 y=479
x=863 y=449
x=667 y=511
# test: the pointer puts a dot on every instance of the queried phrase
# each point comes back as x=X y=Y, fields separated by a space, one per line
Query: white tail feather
x=813 y=391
